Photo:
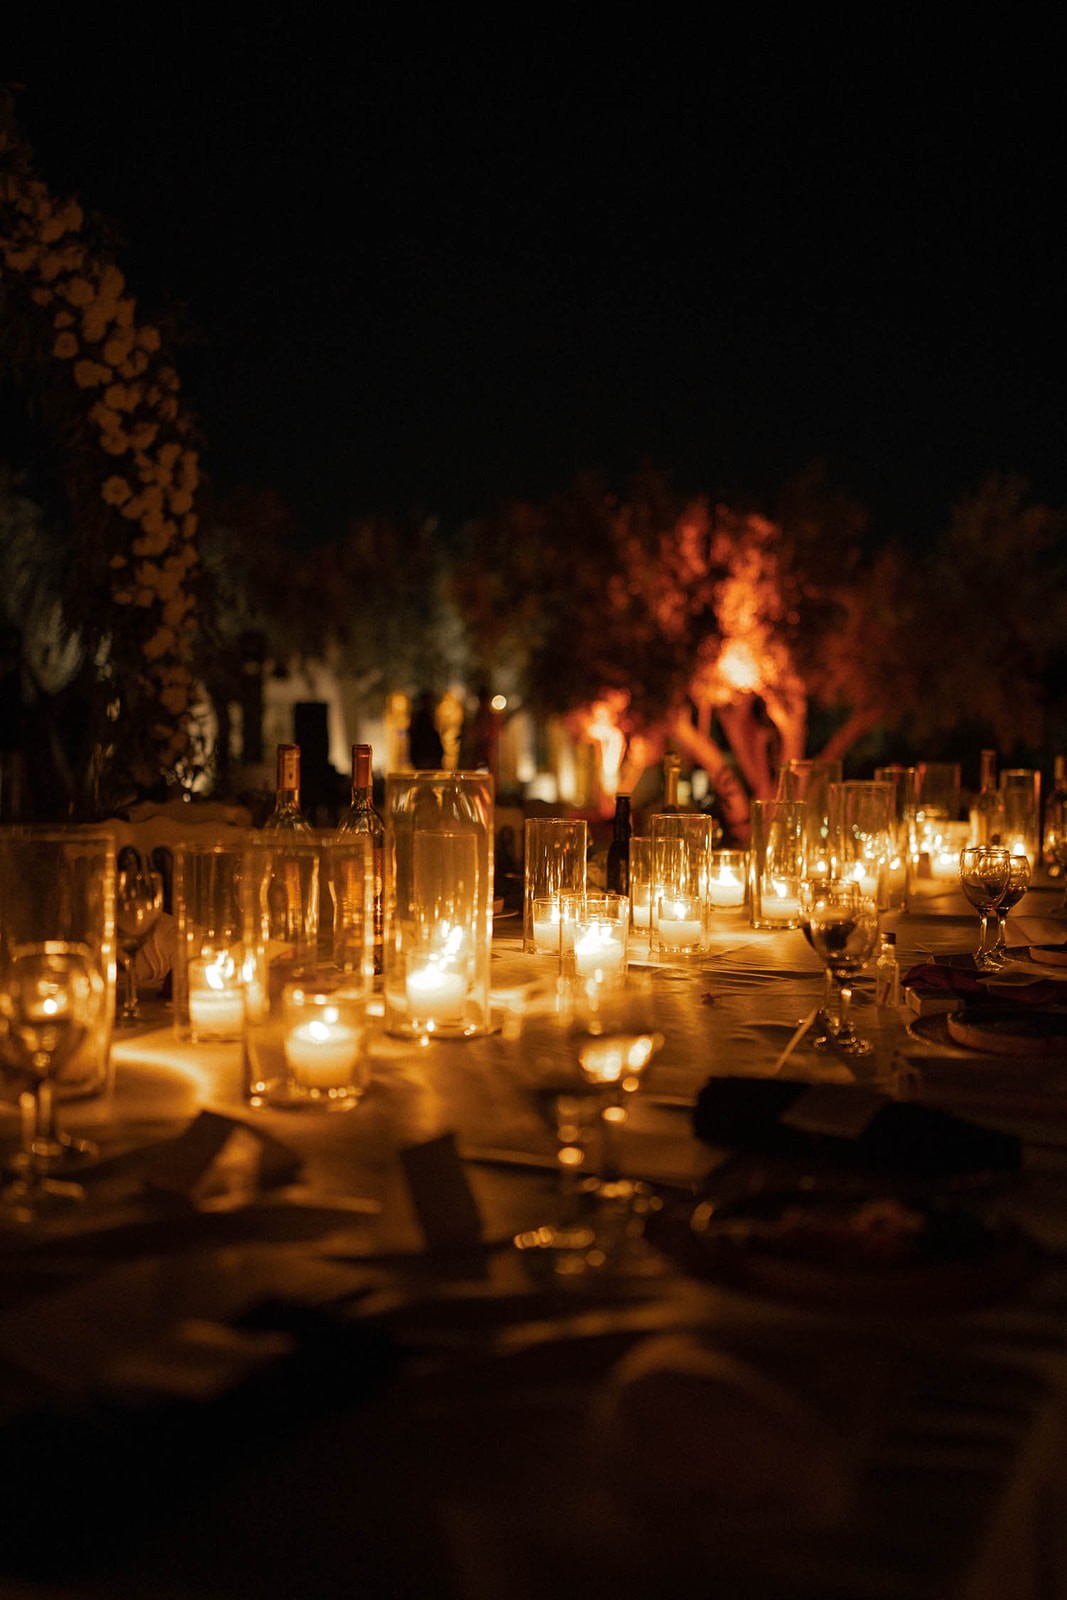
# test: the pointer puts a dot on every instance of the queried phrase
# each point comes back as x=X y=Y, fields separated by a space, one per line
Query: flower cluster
x=133 y=438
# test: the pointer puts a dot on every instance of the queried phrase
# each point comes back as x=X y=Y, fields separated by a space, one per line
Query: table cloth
x=273 y=1356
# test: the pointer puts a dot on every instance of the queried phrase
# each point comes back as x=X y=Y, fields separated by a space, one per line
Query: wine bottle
x=361 y=817
x=672 y=768
x=287 y=816
x=618 y=874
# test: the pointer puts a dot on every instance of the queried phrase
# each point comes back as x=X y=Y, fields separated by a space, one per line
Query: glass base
x=39 y=1200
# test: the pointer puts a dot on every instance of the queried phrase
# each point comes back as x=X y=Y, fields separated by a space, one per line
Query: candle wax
x=323 y=1055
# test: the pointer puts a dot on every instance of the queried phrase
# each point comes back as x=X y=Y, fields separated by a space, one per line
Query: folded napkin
x=846 y=1126
x=693 y=1436
x=218 y=1161
x=157 y=955
x=976 y=990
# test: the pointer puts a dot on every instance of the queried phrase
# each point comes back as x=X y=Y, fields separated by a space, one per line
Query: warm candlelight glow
x=216 y=998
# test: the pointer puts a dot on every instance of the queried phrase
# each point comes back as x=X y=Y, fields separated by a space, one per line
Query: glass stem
x=845 y=994
x=612 y=1115
x=45 y=1137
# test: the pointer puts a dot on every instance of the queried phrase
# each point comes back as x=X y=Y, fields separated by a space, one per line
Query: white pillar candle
x=726 y=888
x=778 y=902
x=599 y=949
x=677 y=925
x=436 y=993
x=641 y=908
x=216 y=1001
x=322 y=1054
x=551 y=934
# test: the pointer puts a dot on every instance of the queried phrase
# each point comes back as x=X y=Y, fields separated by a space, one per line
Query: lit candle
x=548 y=933
x=641 y=907
x=600 y=949
x=778 y=902
x=323 y=1052
x=862 y=875
x=216 y=1001
x=726 y=888
x=677 y=926
x=436 y=993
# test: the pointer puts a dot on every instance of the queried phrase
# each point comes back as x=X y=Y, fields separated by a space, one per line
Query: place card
x=444 y=1204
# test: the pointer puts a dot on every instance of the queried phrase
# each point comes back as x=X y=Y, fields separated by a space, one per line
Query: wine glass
x=985 y=872
x=138 y=907
x=842 y=925
x=607 y=1030
x=49 y=1001
x=1018 y=883
x=826 y=1015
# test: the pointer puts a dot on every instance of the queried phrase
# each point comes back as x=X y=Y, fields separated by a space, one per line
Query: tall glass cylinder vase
x=308 y=922
x=57 y=890
x=438 y=903
x=777 y=862
x=1020 y=791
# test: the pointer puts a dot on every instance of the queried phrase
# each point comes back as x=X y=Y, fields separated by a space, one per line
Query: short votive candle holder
x=324 y=1043
x=600 y=936
x=727 y=877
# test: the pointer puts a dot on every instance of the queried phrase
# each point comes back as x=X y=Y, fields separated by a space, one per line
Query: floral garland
x=137 y=471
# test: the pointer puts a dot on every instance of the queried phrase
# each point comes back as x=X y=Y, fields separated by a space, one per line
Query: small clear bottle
x=287 y=817
x=887 y=973
x=361 y=817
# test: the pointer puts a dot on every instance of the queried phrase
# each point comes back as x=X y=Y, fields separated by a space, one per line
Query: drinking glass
x=985 y=872
x=50 y=996
x=1018 y=883
x=822 y=1036
x=138 y=907
x=602 y=1035
x=841 y=923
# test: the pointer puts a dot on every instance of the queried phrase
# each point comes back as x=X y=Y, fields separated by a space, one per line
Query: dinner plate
x=1008 y=1030
x=1049 y=955
x=874 y=1252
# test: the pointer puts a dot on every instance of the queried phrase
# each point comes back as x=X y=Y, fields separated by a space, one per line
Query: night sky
x=431 y=272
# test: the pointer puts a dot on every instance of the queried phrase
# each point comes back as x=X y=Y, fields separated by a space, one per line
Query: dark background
x=428 y=270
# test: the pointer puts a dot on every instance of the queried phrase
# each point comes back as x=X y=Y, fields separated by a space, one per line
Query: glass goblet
x=985 y=872
x=138 y=907
x=49 y=1000
x=822 y=1035
x=842 y=925
x=1018 y=883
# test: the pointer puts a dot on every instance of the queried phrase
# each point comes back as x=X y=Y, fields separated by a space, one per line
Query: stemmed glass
x=841 y=923
x=608 y=1030
x=985 y=873
x=138 y=907
x=826 y=1016
x=1018 y=883
x=49 y=1001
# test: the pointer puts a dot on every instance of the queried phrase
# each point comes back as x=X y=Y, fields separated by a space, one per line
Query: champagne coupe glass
x=811 y=889
x=985 y=872
x=138 y=907
x=609 y=1032
x=1018 y=883
x=49 y=1000
x=842 y=925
